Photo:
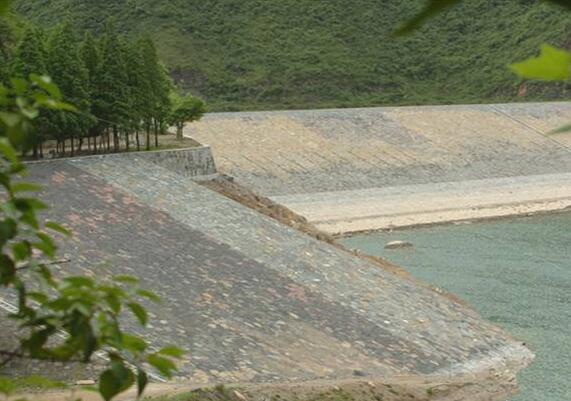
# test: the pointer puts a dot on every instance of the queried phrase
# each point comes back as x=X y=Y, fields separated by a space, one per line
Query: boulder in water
x=398 y=245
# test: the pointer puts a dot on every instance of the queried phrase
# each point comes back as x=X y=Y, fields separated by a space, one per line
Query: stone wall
x=190 y=162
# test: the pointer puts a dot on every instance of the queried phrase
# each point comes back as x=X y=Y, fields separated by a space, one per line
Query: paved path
x=318 y=155
x=253 y=300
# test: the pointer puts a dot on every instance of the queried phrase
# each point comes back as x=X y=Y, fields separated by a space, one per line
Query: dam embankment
x=352 y=170
x=254 y=301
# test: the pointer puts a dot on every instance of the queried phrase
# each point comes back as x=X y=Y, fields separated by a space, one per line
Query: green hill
x=263 y=54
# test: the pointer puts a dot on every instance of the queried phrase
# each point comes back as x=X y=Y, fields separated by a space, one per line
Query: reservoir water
x=515 y=272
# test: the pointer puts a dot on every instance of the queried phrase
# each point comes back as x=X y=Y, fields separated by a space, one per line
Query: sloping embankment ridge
x=260 y=304
x=361 y=169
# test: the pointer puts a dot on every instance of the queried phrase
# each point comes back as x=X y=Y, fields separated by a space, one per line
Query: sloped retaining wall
x=194 y=162
x=191 y=162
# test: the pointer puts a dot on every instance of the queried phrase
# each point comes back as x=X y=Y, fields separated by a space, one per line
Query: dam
x=353 y=170
x=257 y=302
x=260 y=303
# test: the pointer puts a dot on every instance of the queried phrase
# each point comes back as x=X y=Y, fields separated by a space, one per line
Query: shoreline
x=341 y=213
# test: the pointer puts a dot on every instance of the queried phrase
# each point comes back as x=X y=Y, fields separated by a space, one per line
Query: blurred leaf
x=46 y=84
x=134 y=344
x=25 y=187
x=80 y=281
x=47 y=245
x=139 y=312
x=10 y=119
x=163 y=365
x=142 y=381
x=7 y=150
x=7 y=270
x=58 y=228
x=171 y=351
x=109 y=385
x=22 y=250
x=126 y=279
x=433 y=8
x=552 y=65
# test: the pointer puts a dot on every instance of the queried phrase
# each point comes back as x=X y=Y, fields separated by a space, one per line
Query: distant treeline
x=119 y=87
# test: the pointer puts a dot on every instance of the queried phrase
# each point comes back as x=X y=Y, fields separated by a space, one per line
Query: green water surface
x=515 y=272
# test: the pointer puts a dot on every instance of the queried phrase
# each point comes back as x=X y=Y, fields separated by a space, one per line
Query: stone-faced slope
x=295 y=152
x=251 y=299
x=320 y=163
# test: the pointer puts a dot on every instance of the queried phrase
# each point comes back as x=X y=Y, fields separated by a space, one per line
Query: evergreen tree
x=140 y=88
x=161 y=86
x=89 y=53
x=66 y=68
x=111 y=95
x=30 y=58
x=30 y=55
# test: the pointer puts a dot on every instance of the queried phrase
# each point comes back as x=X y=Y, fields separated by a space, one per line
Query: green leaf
x=139 y=312
x=7 y=270
x=25 y=187
x=164 y=365
x=133 y=343
x=126 y=279
x=172 y=351
x=47 y=245
x=433 y=8
x=8 y=150
x=10 y=119
x=58 y=228
x=142 y=381
x=80 y=281
x=46 y=84
x=115 y=380
x=22 y=250
x=552 y=65
x=8 y=230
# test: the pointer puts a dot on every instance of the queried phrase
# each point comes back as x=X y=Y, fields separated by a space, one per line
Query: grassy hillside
x=262 y=54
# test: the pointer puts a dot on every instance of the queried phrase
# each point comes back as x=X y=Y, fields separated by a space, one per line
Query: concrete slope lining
x=293 y=155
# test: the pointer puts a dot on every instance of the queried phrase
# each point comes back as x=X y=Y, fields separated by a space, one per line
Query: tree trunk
x=156 y=134
x=137 y=140
x=148 y=143
x=127 y=140
x=41 y=149
x=72 y=145
x=179 y=129
x=115 y=138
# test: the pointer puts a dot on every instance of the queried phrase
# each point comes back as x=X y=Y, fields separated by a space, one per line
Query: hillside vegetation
x=263 y=54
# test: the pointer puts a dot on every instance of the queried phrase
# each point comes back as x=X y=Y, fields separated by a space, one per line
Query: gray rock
x=398 y=245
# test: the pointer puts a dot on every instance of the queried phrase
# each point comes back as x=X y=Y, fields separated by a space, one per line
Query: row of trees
x=121 y=90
